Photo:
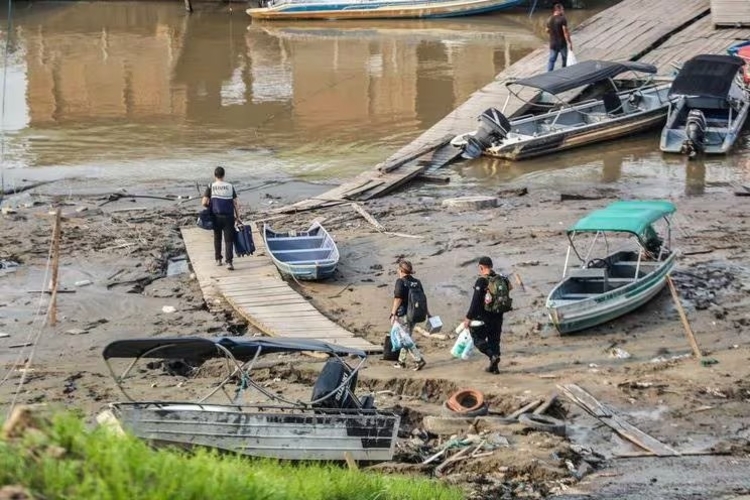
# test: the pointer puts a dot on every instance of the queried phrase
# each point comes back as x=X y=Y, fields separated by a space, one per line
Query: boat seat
x=304 y=262
x=588 y=273
x=620 y=280
x=295 y=238
x=299 y=250
x=577 y=296
x=612 y=103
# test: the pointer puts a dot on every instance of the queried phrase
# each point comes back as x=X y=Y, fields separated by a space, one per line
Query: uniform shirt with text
x=222 y=195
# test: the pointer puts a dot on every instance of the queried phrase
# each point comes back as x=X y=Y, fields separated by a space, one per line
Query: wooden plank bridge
x=661 y=33
x=258 y=293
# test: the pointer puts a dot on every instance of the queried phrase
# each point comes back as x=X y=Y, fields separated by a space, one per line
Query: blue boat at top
x=375 y=9
x=304 y=255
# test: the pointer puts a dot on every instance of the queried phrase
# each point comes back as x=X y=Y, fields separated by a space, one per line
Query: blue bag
x=243 y=241
x=206 y=219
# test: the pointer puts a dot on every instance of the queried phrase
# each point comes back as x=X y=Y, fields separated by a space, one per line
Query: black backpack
x=416 y=308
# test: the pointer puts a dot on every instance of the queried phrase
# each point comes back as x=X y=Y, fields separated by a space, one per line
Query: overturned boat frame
x=334 y=424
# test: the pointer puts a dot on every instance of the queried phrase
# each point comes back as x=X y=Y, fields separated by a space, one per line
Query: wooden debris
x=547 y=405
x=390 y=165
x=18 y=346
x=369 y=218
x=614 y=422
x=434 y=179
x=507 y=193
x=350 y=461
x=526 y=408
x=683 y=317
x=447 y=426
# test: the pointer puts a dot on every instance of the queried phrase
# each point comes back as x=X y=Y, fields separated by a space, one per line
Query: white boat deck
x=258 y=293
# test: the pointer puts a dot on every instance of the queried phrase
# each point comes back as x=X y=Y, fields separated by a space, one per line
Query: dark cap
x=485 y=261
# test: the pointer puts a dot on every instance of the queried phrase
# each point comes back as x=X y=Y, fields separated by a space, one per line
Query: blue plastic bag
x=400 y=338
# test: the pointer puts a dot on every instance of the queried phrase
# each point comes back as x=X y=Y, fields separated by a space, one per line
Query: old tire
x=543 y=423
x=466 y=400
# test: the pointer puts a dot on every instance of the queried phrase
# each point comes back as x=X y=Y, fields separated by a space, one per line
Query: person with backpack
x=409 y=308
x=490 y=301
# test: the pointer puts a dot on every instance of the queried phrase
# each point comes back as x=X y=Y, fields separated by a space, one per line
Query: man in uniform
x=221 y=197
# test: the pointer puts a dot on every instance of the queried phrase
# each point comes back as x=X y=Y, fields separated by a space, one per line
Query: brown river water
x=140 y=91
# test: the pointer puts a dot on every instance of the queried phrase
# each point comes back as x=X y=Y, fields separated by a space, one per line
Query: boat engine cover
x=334 y=372
x=695 y=131
x=493 y=126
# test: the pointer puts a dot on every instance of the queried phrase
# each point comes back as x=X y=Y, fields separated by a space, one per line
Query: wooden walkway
x=629 y=30
x=258 y=293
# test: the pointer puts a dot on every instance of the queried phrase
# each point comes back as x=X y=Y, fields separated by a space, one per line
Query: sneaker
x=218 y=262
x=230 y=266
x=400 y=365
x=420 y=365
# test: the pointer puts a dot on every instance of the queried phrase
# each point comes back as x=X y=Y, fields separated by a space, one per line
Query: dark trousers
x=487 y=337
x=553 y=53
x=224 y=224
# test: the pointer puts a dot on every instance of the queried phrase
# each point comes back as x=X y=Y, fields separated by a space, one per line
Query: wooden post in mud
x=688 y=331
x=188 y=6
x=56 y=232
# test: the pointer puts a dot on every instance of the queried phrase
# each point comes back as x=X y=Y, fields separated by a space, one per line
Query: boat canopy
x=202 y=349
x=581 y=74
x=707 y=75
x=624 y=216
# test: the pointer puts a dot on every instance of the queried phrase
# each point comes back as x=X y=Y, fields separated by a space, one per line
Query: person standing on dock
x=559 y=37
x=409 y=308
x=221 y=198
x=491 y=299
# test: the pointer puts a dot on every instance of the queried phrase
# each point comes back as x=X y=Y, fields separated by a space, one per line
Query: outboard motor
x=493 y=127
x=695 y=130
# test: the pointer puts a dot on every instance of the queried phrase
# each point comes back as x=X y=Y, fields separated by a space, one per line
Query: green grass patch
x=66 y=460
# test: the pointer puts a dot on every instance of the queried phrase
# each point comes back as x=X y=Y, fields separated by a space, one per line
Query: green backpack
x=497 y=298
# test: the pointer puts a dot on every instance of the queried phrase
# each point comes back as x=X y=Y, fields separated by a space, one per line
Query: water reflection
x=119 y=83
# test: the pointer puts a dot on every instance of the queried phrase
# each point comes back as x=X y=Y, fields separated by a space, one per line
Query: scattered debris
x=8 y=264
x=83 y=283
x=617 y=352
x=168 y=309
x=507 y=193
x=177 y=265
x=613 y=421
x=4 y=335
x=471 y=202
x=76 y=331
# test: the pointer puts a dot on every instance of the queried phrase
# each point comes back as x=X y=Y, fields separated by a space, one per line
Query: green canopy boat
x=602 y=289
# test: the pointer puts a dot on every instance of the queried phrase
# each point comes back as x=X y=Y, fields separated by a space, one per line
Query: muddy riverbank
x=115 y=262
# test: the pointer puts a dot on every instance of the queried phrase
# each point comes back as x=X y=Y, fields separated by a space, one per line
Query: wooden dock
x=634 y=30
x=258 y=293
x=730 y=13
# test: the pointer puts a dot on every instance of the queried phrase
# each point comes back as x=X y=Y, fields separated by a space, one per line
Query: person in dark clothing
x=559 y=37
x=399 y=309
x=487 y=336
x=221 y=197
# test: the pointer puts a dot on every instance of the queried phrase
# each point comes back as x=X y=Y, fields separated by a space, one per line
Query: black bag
x=389 y=354
x=243 y=241
x=206 y=219
x=416 y=308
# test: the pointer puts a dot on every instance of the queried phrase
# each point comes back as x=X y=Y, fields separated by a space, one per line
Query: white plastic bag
x=464 y=344
x=571 y=58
